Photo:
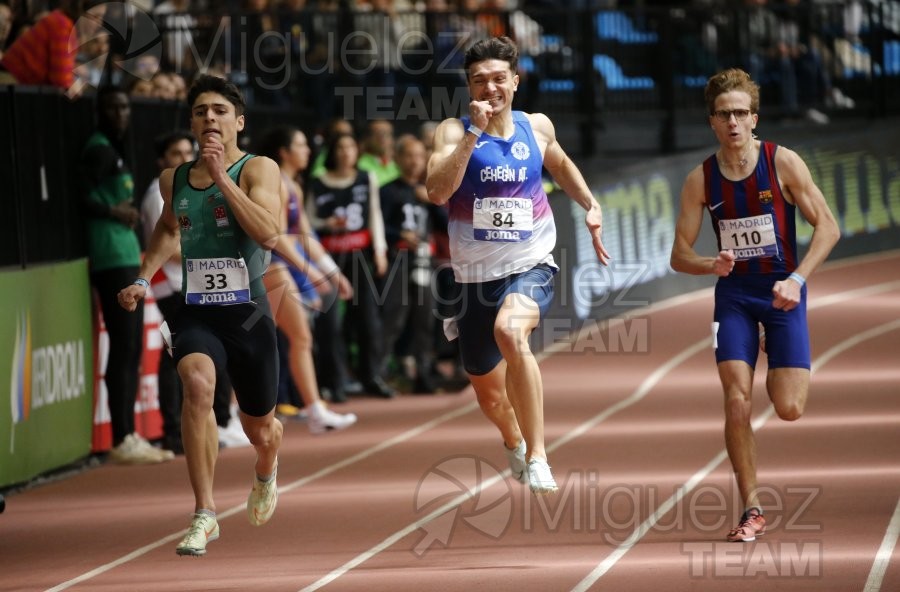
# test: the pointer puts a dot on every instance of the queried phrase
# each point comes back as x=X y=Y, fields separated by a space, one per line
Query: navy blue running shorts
x=477 y=311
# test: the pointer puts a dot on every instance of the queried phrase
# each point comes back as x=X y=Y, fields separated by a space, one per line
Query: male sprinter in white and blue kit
x=488 y=167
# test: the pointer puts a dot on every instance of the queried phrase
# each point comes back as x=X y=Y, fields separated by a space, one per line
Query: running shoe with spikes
x=516 y=459
x=752 y=525
x=262 y=499
x=540 y=479
x=203 y=529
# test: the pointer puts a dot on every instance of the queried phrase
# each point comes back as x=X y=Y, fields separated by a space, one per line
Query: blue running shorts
x=478 y=307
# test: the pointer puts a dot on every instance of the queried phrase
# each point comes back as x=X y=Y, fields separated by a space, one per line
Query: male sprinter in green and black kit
x=222 y=208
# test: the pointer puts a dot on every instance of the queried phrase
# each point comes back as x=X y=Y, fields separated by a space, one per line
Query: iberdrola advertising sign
x=46 y=361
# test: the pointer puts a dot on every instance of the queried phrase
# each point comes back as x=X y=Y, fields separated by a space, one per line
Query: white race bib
x=217 y=281
x=749 y=238
x=503 y=219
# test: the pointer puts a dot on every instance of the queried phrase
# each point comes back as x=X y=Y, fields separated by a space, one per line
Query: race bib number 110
x=749 y=237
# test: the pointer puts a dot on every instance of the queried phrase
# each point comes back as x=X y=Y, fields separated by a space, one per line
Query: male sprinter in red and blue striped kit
x=752 y=189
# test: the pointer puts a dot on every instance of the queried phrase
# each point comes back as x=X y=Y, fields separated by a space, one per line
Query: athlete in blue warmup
x=752 y=189
x=488 y=166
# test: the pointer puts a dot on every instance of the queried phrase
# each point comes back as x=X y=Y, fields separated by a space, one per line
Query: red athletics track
x=635 y=441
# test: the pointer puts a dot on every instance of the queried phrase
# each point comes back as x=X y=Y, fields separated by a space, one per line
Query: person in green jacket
x=115 y=255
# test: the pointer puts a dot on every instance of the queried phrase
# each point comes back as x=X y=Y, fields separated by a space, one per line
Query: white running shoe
x=203 y=529
x=323 y=419
x=232 y=435
x=262 y=499
x=516 y=459
x=540 y=478
x=148 y=448
x=134 y=450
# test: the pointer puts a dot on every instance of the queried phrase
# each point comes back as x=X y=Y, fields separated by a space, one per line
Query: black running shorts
x=240 y=338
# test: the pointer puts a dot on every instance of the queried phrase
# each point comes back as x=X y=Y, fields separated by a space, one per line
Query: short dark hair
x=495 y=48
x=274 y=139
x=207 y=83
x=165 y=141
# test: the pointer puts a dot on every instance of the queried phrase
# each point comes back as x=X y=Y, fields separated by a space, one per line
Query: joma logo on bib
x=218 y=298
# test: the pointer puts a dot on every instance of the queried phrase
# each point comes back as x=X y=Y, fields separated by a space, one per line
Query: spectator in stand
x=377 y=52
x=115 y=256
x=163 y=87
x=6 y=21
x=259 y=50
x=333 y=128
x=45 y=53
x=141 y=88
x=178 y=40
x=91 y=60
x=407 y=290
x=773 y=55
x=378 y=152
x=295 y=25
x=812 y=58
x=320 y=65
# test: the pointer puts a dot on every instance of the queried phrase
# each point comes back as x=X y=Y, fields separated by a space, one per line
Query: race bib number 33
x=217 y=281
x=503 y=219
x=749 y=237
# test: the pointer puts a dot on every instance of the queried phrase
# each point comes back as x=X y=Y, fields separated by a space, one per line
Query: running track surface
x=635 y=441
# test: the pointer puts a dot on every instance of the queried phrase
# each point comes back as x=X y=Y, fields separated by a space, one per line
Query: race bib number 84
x=749 y=237
x=503 y=219
x=217 y=281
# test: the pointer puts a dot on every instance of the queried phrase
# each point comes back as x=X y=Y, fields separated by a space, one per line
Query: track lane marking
x=664 y=508
x=636 y=396
x=883 y=556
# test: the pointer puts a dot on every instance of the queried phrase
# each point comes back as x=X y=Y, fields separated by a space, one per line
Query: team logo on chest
x=765 y=196
x=520 y=151
x=184 y=222
x=221 y=216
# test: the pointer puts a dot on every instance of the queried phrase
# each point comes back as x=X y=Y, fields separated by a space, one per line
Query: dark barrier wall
x=858 y=171
x=42 y=135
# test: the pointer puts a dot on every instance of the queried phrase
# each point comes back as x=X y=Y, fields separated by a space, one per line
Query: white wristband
x=474 y=129
x=141 y=282
x=797 y=278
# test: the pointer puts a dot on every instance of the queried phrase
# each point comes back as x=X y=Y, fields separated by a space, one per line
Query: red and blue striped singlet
x=752 y=216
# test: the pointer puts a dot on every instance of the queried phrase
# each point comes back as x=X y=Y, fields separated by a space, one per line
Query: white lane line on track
x=645 y=387
x=613 y=558
x=400 y=438
x=883 y=556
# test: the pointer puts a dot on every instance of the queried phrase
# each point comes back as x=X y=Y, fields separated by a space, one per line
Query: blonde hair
x=727 y=81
